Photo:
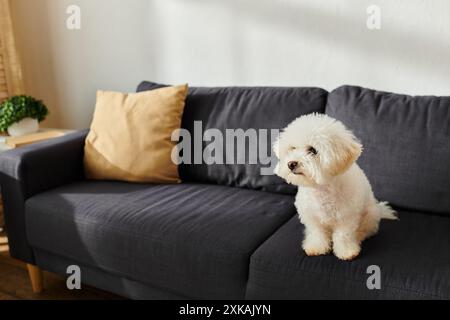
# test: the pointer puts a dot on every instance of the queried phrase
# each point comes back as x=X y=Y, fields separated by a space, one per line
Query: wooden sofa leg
x=36 y=278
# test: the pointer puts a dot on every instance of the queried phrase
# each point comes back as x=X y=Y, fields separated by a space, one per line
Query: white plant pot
x=23 y=127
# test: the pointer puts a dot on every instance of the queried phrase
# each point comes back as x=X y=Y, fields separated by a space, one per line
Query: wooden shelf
x=16 y=142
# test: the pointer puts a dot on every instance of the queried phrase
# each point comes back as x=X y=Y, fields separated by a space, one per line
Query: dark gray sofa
x=227 y=232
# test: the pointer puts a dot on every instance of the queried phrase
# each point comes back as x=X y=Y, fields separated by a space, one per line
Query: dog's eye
x=312 y=150
x=291 y=148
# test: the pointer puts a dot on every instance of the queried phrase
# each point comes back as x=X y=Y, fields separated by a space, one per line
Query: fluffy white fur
x=335 y=201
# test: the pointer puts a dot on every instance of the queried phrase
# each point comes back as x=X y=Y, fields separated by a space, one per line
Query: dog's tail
x=386 y=211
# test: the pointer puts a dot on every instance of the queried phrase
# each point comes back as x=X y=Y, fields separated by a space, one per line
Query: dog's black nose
x=292 y=165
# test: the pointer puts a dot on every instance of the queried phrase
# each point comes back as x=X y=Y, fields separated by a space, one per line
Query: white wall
x=228 y=42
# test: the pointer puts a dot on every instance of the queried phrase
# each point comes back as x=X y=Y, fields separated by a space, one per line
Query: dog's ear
x=276 y=147
x=347 y=149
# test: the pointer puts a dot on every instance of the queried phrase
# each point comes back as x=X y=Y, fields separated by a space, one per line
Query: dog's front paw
x=346 y=251
x=315 y=247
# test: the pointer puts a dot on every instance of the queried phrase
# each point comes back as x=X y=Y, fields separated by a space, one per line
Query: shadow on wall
x=322 y=43
x=113 y=50
x=38 y=65
x=411 y=48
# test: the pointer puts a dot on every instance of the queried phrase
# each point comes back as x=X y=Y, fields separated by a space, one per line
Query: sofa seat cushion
x=413 y=255
x=190 y=239
x=406 y=144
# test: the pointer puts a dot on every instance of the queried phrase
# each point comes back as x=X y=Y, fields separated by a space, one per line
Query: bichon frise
x=335 y=201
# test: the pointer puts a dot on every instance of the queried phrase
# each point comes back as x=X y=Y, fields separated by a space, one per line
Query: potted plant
x=20 y=115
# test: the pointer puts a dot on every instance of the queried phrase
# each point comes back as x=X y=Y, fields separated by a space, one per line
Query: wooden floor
x=15 y=284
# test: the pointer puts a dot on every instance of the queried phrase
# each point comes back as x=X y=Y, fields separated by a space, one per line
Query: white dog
x=335 y=201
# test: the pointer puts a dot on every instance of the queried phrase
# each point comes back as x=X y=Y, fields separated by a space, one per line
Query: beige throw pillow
x=130 y=137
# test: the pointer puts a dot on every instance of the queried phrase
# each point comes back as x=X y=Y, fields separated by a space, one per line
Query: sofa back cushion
x=406 y=143
x=243 y=108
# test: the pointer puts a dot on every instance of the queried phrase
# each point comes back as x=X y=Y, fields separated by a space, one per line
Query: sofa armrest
x=30 y=170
